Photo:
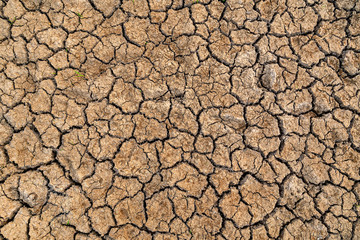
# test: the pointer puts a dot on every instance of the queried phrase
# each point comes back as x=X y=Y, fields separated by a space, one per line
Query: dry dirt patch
x=194 y=119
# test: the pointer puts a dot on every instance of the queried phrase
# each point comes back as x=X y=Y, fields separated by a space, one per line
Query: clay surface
x=179 y=119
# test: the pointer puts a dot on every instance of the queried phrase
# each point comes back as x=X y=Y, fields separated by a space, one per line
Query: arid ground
x=179 y=119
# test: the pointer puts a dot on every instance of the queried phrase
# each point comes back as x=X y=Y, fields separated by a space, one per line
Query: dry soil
x=179 y=119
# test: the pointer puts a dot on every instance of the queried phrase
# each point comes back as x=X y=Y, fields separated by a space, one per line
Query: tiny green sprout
x=190 y=232
x=79 y=15
x=68 y=222
x=133 y=1
x=66 y=50
x=12 y=22
x=79 y=74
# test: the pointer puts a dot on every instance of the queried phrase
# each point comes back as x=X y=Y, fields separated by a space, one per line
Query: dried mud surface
x=179 y=119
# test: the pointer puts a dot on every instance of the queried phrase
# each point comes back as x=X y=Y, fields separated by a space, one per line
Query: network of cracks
x=179 y=119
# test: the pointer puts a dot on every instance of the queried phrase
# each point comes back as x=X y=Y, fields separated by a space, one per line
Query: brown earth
x=170 y=119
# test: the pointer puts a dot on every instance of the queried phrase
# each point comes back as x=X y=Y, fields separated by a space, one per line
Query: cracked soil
x=179 y=119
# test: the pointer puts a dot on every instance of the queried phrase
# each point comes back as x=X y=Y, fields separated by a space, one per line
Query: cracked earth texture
x=179 y=119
